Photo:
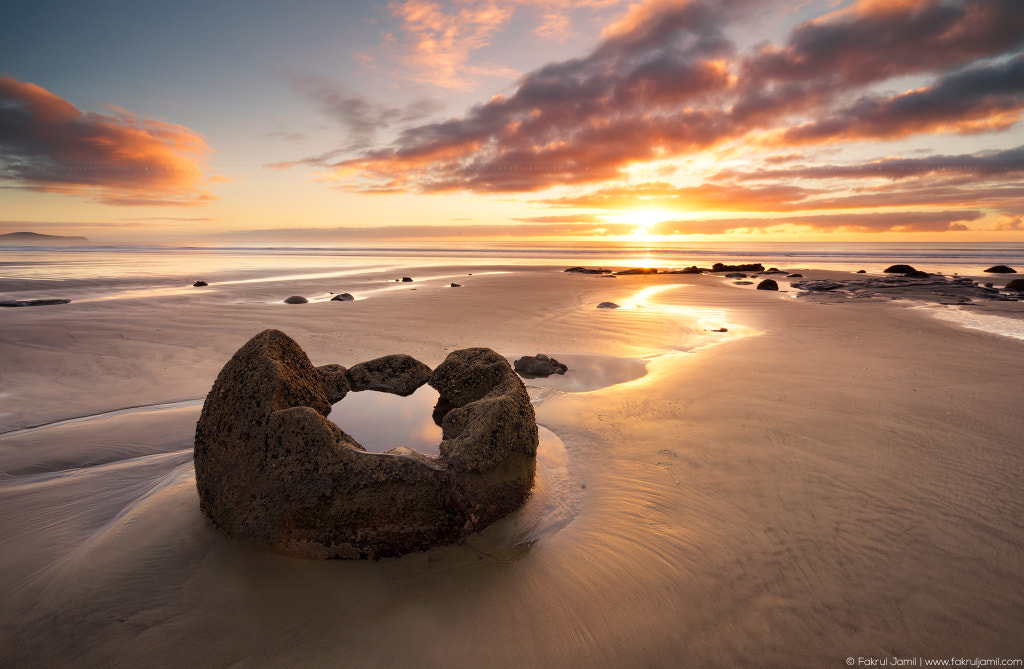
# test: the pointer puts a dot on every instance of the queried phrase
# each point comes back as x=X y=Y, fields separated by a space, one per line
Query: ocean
x=100 y=272
x=147 y=263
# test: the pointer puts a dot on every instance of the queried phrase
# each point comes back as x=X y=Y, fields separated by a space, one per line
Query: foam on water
x=1000 y=325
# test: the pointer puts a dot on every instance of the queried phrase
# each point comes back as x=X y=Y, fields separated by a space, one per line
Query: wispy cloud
x=115 y=158
x=438 y=40
x=361 y=117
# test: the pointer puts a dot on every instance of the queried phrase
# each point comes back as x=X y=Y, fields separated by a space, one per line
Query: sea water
x=153 y=264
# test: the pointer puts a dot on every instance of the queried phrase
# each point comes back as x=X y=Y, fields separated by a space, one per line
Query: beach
x=826 y=479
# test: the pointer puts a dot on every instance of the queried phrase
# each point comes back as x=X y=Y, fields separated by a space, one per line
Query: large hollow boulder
x=272 y=469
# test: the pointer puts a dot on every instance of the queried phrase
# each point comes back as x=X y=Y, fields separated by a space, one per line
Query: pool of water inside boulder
x=382 y=421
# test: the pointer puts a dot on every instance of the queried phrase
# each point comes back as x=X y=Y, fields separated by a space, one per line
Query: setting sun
x=644 y=220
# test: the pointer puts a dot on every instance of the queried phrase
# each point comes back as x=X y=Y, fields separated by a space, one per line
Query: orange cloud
x=439 y=39
x=117 y=158
x=666 y=82
x=441 y=42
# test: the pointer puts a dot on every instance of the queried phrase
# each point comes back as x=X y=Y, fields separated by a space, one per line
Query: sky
x=690 y=120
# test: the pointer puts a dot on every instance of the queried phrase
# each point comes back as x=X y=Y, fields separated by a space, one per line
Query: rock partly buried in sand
x=398 y=374
x=343 y=297
x=455 y=285
x=899 y=269
x=1015 y=284
x=295 y=299
x=33 y=303
x=607 y=305
x=768 y=284
x=1001 y=269
x=272 y=469
x=199 y=284
x=539 y=366
x=406 y=279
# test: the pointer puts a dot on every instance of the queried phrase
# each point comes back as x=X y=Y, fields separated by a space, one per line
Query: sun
x=644 y=220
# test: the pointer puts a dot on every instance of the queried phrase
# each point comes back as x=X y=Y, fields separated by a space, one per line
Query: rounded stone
x=273 y=470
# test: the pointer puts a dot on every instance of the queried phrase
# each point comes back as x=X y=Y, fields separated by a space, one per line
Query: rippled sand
x=819 y=482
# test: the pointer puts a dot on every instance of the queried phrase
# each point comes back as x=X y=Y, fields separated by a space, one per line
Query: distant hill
x=38 y=238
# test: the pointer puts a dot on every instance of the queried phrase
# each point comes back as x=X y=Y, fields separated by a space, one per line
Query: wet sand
x=821 y=481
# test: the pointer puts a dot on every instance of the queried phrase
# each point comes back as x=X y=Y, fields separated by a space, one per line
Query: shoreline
x=824 y=480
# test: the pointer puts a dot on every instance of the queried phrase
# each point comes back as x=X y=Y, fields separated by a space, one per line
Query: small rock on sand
x=899 y=269
x=342 y=297
x=295 y=299
x=406 y=279
x=540 y=365
x=200 y=284
x=1001 y=269
x=607 y=305
x=456 y=285
x=768 y=284
x=1015 y=284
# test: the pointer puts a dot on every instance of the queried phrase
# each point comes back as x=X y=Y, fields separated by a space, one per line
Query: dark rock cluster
x=585 y=270
x=749 y=267
x=273 y=470
x=911 y=285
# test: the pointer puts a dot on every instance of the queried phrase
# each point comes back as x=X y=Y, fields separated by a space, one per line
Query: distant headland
x=38 y=238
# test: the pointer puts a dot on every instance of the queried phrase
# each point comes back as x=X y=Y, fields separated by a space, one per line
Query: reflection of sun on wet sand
x=845 y=483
